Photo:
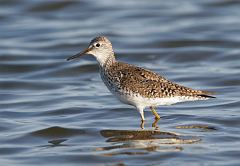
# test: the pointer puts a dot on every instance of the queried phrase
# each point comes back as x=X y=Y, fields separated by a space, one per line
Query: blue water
x=54 y=112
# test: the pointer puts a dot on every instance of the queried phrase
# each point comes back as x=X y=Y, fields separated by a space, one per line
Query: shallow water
x=55 y=112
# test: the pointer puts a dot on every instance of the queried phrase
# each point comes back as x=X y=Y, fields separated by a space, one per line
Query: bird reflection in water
x=135 y=142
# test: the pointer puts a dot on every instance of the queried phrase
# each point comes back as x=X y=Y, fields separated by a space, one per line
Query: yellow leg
x=142 y=124
x=140 y=110
x=155 y=113
x=154 y=124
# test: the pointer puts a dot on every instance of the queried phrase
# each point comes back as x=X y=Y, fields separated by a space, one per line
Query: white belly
x=136 y=100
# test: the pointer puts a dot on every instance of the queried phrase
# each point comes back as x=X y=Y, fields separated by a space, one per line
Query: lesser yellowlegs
x=137 y=86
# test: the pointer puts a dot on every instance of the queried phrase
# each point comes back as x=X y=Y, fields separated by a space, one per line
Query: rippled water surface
x=54 y=112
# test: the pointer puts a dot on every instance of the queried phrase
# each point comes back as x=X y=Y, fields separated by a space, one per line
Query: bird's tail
x=206 y=94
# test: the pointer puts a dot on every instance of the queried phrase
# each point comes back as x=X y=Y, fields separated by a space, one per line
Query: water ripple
x=58 y=112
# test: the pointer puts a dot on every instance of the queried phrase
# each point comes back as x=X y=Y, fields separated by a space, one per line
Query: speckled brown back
x=146 y=83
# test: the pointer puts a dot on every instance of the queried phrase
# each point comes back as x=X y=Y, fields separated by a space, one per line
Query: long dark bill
x=79 y=54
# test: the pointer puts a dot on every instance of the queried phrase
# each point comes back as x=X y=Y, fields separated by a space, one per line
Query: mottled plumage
x=137 y=86
x=146 y=83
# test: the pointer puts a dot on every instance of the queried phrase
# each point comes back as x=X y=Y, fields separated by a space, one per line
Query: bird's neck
x=106 y=61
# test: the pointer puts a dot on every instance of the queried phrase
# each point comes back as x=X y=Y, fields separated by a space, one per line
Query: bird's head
x=100 y=47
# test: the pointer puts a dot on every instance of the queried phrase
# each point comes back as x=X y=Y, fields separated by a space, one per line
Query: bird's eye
x=97 y=45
